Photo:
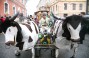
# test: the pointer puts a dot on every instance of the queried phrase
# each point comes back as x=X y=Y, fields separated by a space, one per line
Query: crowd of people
x=44 y=21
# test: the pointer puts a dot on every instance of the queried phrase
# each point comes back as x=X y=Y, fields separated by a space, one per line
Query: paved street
x=83 y=51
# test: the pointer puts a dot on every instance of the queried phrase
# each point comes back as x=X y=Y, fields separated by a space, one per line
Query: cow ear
x=85 y=21
x=64 y=25
x=6 y=20
x=14 y=17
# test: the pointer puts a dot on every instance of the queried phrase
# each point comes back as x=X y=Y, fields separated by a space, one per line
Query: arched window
x=6 y=8
x=14 y=10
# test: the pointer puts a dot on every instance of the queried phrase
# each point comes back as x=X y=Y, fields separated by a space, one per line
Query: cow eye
x=69 y=28
x=10 y=30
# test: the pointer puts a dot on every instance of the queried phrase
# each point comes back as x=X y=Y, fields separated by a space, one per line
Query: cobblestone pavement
x=83 y=51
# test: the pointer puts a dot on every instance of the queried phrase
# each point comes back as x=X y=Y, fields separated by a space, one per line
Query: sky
x=31 y=6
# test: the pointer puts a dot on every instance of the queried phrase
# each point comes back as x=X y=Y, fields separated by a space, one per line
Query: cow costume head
x=23 y=35
x=73 y=26
x=11 y=29
x=8 y=22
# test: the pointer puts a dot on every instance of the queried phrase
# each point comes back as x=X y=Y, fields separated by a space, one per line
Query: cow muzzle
x=10 y=43
x=75 y=40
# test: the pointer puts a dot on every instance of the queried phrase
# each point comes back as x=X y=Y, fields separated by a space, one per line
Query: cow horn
x=14 y=17
x=56 y=17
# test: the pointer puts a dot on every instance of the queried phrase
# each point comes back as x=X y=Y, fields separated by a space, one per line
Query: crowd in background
x=21 y=17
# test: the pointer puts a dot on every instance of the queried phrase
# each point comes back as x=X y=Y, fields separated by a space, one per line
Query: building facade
x=87 y=7
x=10 y=7
x=67 y=7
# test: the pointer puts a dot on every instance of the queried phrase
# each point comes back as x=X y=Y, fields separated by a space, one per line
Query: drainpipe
x=87 y=7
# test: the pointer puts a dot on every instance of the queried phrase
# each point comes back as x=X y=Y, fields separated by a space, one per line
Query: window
x=74 y=6
x=14 y=10
x=6 y=8
x=23 y=1
x=80 y=6
x=56 y=7
x=53 y=8
x=65 y=6
x=88 y=9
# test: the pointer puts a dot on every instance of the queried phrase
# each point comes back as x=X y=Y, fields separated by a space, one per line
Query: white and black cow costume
x=78 y=24
x=24 y=35
x=73 y=28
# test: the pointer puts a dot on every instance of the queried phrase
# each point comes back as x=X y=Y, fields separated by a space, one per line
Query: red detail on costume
x=2 y=19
